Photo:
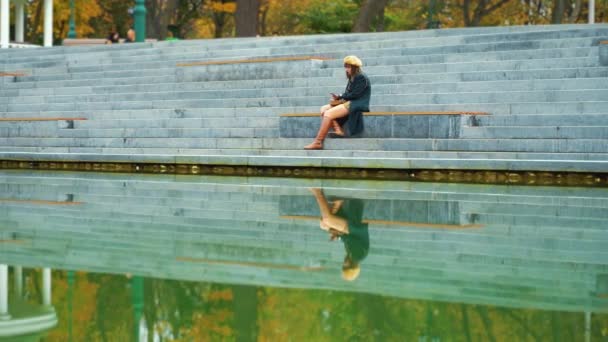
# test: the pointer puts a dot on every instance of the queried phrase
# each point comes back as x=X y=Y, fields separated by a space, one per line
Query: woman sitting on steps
x=346 y=109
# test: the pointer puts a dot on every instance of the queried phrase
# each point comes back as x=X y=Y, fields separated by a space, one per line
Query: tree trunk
x=466 y=7
x=246 y=17
x=558 y=11
x=370 y=10
x=219 y=19
x=381 y=22
x=262 y=23
x=483 y=9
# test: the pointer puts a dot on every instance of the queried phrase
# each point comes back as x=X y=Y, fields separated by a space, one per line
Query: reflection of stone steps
x=231 y=230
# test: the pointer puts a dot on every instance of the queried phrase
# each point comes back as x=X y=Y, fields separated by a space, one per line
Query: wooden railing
x=42 y=119
x=250 y=264
x=254 y=60
x=393 y=113
x=395 y=223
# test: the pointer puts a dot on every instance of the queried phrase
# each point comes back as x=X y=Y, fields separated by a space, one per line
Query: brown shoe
x=315 y=145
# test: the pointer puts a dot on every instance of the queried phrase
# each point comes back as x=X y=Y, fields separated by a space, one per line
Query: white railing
x=22 y=46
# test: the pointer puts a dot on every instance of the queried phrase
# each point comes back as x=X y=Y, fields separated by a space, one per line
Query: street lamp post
x=72 y=32
x=140 y=20
x=432 y=24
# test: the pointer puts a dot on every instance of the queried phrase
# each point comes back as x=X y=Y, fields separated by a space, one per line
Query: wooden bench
x=83 y=41
x=12 y=74
x=41 y=119
x=417 y=124
x=250 y=264
x=39 y=202
x=394 y=223
x=255 y=60
x=93 y=41
x=391 y=113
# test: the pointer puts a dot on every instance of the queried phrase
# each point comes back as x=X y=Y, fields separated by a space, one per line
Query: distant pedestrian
x=130 y=36
x=113 y=38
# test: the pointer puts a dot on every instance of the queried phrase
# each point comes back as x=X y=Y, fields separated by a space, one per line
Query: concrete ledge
x=603 y=53
x=486 y=171
x=385 y=124
x=415 y=213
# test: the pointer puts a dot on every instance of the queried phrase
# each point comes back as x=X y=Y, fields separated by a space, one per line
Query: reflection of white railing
x=22 y=46
x=25 y=323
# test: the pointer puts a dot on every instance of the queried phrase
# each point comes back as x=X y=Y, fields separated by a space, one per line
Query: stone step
x=429 y=46
x=536 y=132
x=118 y=154
x=547 y=35
x=144 y=93
x=496 y=163
x=207 y=232
x=376 y=271
x=600 y=119
x=382 y=47
x=471 y=100
x=196 y=128
x=372 y=60
x=553 y=211
x=480 y=145
x=212 y=122
x=319 y=86
x=497 y=110
x=571 y=73
x=373 y=49
x=291 y=69
x=412 y=246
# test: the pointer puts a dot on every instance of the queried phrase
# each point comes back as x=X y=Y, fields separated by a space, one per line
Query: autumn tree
x=473 y=15
x=370 y=10
x=566 y=10
x=222 y=14
x=85 y=12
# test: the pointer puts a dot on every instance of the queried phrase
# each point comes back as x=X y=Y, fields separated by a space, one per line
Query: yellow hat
x=353 y=60
x=350 y=274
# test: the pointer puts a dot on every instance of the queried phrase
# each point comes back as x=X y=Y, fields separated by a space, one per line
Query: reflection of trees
x=199 y=311
x=103 y=310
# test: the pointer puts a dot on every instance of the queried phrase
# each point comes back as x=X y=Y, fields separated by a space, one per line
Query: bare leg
x=336 y=112
x=324 y=109
x=335 y=222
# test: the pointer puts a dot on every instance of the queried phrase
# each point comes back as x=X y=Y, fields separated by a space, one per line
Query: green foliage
x=329 y=17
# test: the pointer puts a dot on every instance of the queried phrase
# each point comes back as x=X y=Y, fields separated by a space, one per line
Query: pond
x=123 y=257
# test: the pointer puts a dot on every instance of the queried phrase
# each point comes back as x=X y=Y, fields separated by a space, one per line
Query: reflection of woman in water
x=344 y=220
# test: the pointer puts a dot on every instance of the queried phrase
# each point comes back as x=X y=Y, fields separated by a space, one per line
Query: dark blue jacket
x=358 y=92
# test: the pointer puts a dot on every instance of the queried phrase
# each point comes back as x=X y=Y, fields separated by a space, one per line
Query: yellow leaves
x=223 y=295
x=218 y=6
x=85 y=10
